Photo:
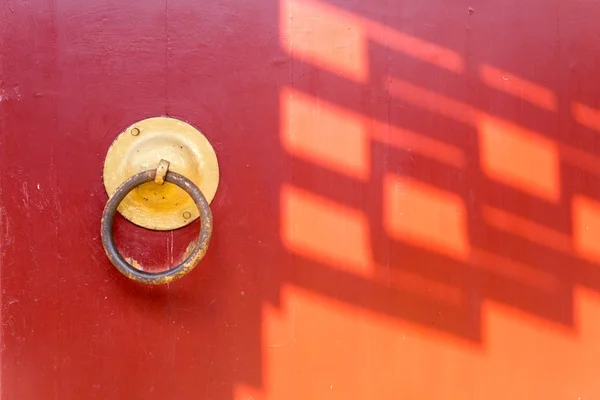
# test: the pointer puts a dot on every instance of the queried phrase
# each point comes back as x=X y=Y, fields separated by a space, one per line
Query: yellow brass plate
x=141 y=147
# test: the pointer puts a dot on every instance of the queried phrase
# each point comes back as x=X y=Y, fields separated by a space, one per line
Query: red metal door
x=409 y=203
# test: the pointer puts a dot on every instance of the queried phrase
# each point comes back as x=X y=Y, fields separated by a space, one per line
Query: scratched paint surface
x=409 y=203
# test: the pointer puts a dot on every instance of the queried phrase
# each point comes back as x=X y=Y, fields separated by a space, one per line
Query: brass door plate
x=141 y=147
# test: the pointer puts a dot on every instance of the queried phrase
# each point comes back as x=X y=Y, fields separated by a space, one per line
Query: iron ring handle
x=199 y=248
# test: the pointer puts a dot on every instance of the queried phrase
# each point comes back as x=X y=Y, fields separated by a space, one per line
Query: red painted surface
x=409 y=203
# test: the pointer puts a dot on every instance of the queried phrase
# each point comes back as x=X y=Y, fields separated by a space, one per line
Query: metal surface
x=198 y=248
x=161 y=172
x=140 y=147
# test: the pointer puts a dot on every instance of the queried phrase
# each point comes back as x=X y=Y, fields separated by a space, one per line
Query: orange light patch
x=586 y=116
x=417 y=48
x=309 y=22
x=425 y=216
x=515 y=270
x=527 y=229
x=518 y=87
x=586 y=227
x=325 y=231
x=543 y=360
x=519 y=158
x=324 y=134
x=316 y=347
x=426 y=288
x=433 y=101
x=418 y=143
x=248 y=393
x=324 y=37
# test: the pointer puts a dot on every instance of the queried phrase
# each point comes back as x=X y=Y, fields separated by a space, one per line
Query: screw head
x=187 y=214
x=135 y=131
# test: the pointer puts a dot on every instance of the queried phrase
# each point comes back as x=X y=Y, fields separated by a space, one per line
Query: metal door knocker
x=160 y=173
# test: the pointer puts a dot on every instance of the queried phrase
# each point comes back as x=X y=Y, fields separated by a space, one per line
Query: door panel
x=408 y=203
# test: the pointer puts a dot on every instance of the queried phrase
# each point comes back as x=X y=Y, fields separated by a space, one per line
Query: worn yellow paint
x=141 y=147
x=161 y=172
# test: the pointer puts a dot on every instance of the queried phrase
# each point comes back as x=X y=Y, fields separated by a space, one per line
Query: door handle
x=157 y=194
x=200 y=246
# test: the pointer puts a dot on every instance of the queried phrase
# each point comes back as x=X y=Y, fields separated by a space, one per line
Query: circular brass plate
x=140 y=147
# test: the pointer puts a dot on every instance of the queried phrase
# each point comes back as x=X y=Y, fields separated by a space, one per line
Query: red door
x=409 y=203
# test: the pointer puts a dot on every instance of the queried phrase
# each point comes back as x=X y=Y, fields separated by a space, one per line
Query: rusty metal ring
x=199 y=248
